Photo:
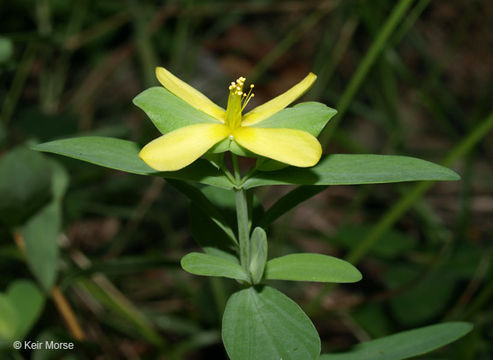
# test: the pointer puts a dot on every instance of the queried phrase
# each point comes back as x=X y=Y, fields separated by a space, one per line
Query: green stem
x=243 y=218
x=242 y=215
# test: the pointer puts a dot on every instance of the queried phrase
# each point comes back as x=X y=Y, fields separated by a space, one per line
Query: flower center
x=237 y=101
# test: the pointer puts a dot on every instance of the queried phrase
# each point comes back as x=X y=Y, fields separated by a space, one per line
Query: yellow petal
x=181 y=147
x=269 y=108
x=189 y=94
x=290 y=146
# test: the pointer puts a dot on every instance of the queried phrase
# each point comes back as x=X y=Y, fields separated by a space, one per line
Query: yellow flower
x=180 y=147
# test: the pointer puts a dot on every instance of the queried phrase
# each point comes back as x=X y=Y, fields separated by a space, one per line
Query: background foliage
x=408 y=77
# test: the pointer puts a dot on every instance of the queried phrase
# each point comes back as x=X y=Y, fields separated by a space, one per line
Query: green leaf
x=349 y=169
x=41 y=239
x=258 y=254
x=28 y=301
x=311 y=267
x=168 y=112
x=209 y=265
x=41 y=231
x=262 y=323
x=405 y=344
x=9 y=321
x=24 y=185
x=124 y=155
x=308 y=116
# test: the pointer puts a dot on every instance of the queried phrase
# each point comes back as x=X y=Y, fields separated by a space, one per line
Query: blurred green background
x=93 y=255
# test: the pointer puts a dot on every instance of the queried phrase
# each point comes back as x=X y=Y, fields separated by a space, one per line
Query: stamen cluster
x=236 y=88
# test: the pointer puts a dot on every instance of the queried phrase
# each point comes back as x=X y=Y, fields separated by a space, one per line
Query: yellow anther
x=237 y=101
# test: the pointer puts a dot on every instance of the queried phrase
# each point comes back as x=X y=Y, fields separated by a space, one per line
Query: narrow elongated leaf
x=168 y=112
x=124 y=155
x=405 y=344
x=311 y=267
x=348 y=169
x=209 y=265
x=258 y=254
x=28 y=301
x=262 y=323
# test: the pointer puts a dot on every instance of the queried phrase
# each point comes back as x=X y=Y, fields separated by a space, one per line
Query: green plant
x=259 y=322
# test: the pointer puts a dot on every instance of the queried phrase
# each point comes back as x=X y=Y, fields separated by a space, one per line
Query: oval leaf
x=209 y=265
x=405 y=344
x=124 y=155
x=349 y=169
x=262 y=323
x=311 y=267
